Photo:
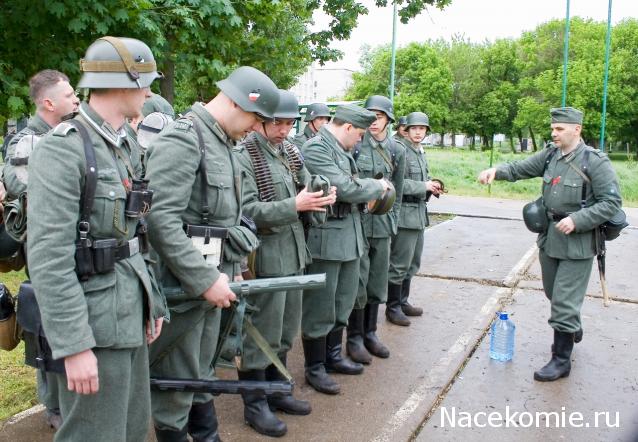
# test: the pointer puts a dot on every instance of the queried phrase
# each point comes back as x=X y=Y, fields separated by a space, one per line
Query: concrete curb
x=23 y=414
x=408 y=420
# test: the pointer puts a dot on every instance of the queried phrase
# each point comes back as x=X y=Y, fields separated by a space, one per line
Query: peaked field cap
x=355 y=115
x=566 y=115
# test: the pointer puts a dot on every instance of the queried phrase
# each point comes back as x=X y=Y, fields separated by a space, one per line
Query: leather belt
x=203 y=231
x=412 y=199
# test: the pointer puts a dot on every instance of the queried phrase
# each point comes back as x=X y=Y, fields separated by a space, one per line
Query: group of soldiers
x=138 y=222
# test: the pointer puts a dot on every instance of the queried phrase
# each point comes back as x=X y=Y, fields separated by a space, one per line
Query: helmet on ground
x=535 y=216
x=316 y=110
x=118 y=63
x=252 y=90
x=417 y=119
x=382 y=104
x=288 y=106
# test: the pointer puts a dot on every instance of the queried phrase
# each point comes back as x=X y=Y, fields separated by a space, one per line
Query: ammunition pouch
x=340 y=210
x=37 y=352
x=99 y=256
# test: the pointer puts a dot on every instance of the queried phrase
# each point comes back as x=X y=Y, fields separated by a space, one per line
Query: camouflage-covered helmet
x=150 y=127
x=384 y=204
x=252 y=90
x=417 y=119
x=157 y=103
x=402 y=121
x=118 y=63
x=23 y=149
x=535 y=216
x=316 y=110
x=288 y=106
x=382 y=104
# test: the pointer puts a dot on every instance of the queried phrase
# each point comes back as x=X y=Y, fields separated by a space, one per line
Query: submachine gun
x=242 y=289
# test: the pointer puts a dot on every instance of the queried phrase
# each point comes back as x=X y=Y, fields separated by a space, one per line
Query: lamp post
x=565 y=56
x=607 y=46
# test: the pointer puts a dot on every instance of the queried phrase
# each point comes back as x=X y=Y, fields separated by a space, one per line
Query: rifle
x=217 y=387
x=269 y=285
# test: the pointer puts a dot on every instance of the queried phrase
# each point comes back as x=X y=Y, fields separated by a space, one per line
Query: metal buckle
x=133 y=246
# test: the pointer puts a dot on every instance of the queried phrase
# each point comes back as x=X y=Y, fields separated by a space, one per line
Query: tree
x=196 y=42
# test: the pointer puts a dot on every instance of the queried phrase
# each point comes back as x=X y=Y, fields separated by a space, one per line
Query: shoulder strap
x=584 y=165
x=90 y=181
x=549 y=157
x=201 y=170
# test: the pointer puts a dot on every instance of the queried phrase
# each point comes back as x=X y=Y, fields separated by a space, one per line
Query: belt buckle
x=133 y=246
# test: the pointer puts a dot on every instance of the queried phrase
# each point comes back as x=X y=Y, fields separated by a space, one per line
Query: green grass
x=17 y=381
x=458 y=168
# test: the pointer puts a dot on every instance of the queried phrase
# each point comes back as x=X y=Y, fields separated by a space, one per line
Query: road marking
x=440 y=376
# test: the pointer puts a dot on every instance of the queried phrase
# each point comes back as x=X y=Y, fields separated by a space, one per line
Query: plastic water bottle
x=502 y=338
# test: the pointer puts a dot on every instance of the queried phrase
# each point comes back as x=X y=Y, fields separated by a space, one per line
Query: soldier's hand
x=81 y=372
x=313 y=201
x=219 y=294
x=150 y=337
x=434 y=187
x=487 y=176
x=566 y=225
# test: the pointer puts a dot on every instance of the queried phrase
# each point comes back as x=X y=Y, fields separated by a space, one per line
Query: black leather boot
x=335 y=362
x=288 y=404
x=314 y=351
x=393 y=311
x=171 y=435
x=578 y=336
x=371 y=340
x=408 y=308
x=257 y=414
x=202 y=423
x=560 y=364
x=354 y=343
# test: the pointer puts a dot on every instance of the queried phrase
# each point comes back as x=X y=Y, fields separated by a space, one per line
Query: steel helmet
x=402 y=121
x=150 y=127
x=118 y=63
x=23 y=149
x=316 y=110
x=157 y=103
x=535 y=216
x=417 y=119
x=252 y=90
x=288 y=106
x=384 y=204
x=382 y=104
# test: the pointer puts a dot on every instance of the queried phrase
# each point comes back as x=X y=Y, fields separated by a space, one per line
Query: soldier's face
x=319 y=121
x=379 y=125
x=278 y=130
x=416 y=134
x=565 y=134
x=240 y=123
x=402 y=131
x=62 y=99
x=352 y=136
x=133 y=101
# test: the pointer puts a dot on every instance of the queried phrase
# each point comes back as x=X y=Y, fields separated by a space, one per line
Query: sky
x=478 y=20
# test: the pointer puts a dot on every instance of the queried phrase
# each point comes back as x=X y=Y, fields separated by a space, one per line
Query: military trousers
x=48 y=390
x=120 y=410
x=373 y=273
x=405 y=255
x=565 y=283
x=185 y=349
x=278 y=319
x=329 y=308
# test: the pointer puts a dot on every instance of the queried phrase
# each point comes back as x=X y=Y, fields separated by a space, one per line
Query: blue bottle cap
x=502 y=316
